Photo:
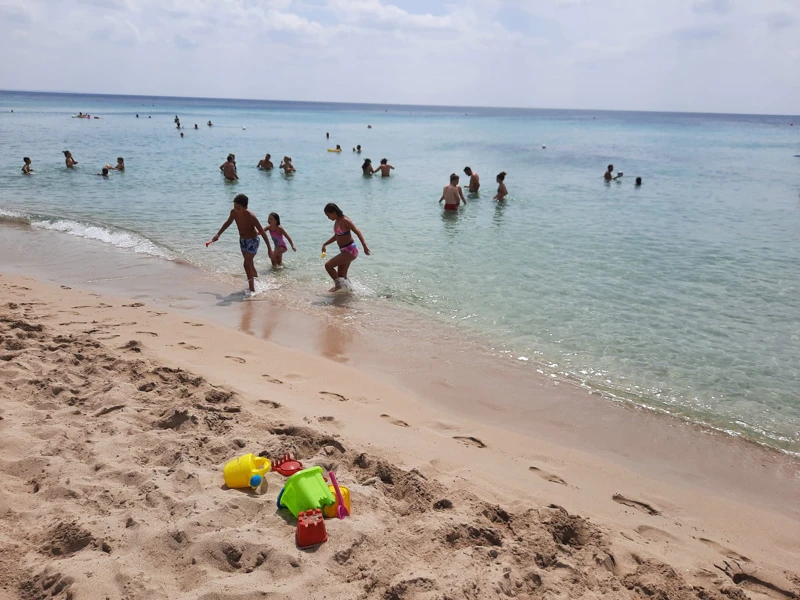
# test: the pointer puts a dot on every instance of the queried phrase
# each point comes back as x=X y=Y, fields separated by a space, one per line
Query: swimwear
x=451 y=206
x=250 y=246
x=350 y=249
x=278 y=240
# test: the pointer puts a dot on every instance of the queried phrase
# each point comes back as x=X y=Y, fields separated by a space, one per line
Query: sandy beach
x=117 y=417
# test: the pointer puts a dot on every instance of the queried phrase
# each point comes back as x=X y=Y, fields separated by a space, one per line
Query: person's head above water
x=105 y=171
x=274 y=217
x=333 y=212
x=501 y=176
x=367 y=162
x=638 y=181
x=338 y=147
x=181 y=134
x=120 y=160
x=241 y=200
x=610 y=168
x=231 y=157
x=384 y=161
x=468 y=171
x=26 y=160
x=67 y=153
x=453 y=178
x=268 y=156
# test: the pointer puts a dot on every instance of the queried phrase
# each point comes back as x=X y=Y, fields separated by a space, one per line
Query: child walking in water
x=277 y=233
x=249 y=230
x=343 y=229
x=502 y=192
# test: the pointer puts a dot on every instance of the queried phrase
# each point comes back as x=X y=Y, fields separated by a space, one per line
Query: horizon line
x=372 y=104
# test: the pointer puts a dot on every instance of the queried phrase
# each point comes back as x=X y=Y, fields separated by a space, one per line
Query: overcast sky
x=683 y=55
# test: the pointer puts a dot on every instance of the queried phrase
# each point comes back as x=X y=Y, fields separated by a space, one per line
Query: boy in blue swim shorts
x=249 y=230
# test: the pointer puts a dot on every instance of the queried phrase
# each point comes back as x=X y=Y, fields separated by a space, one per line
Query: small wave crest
x=9 y=216
x=116 y=237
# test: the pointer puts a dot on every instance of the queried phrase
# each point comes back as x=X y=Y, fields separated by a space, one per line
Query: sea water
x=681 y=295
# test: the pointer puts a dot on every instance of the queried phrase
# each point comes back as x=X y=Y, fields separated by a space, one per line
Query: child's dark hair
x=26 y=159
x=384 y=161
x=230 y=157
x=277 y=218
x=241 y=200
x=610 y=167
x=367 y=162
x=105 y=171
x=453 y=177
x=501 y=175
x=467 y=170
x=330 y=207
x=120 y=159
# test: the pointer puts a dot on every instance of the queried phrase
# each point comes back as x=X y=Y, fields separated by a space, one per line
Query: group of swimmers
x=69 y=160
x=250 y=229
x=609 y=176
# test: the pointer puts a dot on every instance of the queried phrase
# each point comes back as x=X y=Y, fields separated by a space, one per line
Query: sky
x=740 y=56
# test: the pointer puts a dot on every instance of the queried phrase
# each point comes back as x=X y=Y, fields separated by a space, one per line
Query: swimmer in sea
x=137 y=116
x=385 y=168
x=638 y=182
x=181 y=135
x=228 y=168
x=327 y=136
x=209 y=124
x=609 y=174
x=367 y=168
x=27 y=169
x=120 y=165
x=278 y=233
x=104 y=173
x=249 y=230
x=502 y=192
x=176 y=119
x=266 y=163
x=71 y=162
x=474 y=180
x=343 y=229
x=195 y=125
x=338 y=147
x=452 y=194
x=287 y=165
x=358 y=149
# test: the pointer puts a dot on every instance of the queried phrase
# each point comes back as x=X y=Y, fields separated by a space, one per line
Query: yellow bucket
x=330 y=511
x=238 y=471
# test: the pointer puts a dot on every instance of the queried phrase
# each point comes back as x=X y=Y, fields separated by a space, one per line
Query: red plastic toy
x=287 y=466
x=311 y=529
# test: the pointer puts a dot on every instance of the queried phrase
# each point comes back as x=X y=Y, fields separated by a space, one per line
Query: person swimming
x=638 y=182
x=71 y=162
x=385 y=168
x=120 y=165
x=26 y=168
x=265 y=163
x=502 y=192
x=367 y=168
x=104 y=173
x=209 y=124
x=474 y=180
x=287 y=165
x=195 y=126
x=228 y=168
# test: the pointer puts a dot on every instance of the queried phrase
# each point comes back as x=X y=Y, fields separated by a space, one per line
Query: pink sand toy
x=341 y=510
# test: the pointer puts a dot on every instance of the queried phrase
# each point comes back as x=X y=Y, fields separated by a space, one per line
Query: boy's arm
x=262 y=233
x=461 y=194
x=224 y=227
x=288 y=237
x=442 y=198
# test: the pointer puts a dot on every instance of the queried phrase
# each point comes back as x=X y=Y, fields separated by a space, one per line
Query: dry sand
x=116 y=419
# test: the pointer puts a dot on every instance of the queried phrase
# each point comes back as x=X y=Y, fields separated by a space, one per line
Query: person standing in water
x=385 y=168
x=452 y=194
x=228 y=168
x=26 y=168
x=343 y=229
x=287 y=165
x=265 y=163
x=474 y=180
x=70 y=162
x=367 y=168
x=120 y=165
x=279 y=237
x=249 y=230
x=502 y=192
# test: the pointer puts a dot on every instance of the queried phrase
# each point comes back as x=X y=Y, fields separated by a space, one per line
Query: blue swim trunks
x=249 y=246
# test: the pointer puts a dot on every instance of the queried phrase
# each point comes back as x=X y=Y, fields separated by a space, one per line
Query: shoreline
x=444 y=491
x=471 y=383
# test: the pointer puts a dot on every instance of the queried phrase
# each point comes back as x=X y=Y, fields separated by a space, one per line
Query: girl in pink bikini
x=343 y=230
x=279 y=237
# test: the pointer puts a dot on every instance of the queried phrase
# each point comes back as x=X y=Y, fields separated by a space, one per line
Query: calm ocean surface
x=682 y=295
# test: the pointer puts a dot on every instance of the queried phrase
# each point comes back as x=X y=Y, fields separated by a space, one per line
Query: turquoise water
x=681 y=295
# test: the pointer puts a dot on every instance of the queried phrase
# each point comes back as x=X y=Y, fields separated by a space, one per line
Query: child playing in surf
x=249 y=230
x=343 y=229
x=27 y=169
x=279 y=237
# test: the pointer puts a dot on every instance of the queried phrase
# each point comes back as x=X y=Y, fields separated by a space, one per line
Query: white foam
x=10 y=215
x=116 y=237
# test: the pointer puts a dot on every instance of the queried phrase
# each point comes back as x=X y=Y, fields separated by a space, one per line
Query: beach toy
x=332 y=511
x=342 y=511
x=305 y=490
x=287 y=466
x=241 y=472
x=334 y=150
x=311 y=529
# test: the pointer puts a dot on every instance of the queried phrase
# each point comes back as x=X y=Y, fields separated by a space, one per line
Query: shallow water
x=680 y=295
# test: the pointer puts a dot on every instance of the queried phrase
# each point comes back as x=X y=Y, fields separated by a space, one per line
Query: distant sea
x=682 y=295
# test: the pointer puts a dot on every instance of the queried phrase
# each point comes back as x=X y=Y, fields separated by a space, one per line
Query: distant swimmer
x=195 y=126
x=502 y=192
x=385 y=168
x=120 y=165
x=338 y=148
x=474 y=180
x=137 y=116
x=181 y=135
x=249 y=230
x=279 y=238
x=71 y=162
x=609 y=174
x=327 y=136
x=178 y=125
x=287 y=165
x=228 y=168
x=638 y=182
x=367 y=168
x=104 y=173
x=452 y=195
x=176 y=119
x=209 y=124
x=358 y=149
x=265 y=163
x=343 y=230
x=369 y=126
x=27 y=169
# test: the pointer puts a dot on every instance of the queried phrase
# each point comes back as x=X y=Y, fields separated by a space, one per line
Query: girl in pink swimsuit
x=343 y=230
x=277 y=234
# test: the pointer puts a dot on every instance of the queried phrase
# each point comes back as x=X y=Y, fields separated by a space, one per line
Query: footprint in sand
x=187 y=322
x=469 y=441
x=334 y=396
x=236 y=359
x=642 y=506
x=148 y=333
x=753 y=583
x=270 y=379
x=654 y=534
x=326 y=419
x=547 y=476
x=64 y=287
x=134 y=305
x=723 y=550
x=270 y=403
x=394 y=421
x=186 y=346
